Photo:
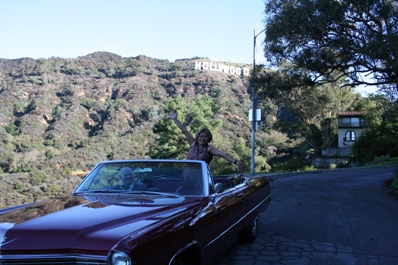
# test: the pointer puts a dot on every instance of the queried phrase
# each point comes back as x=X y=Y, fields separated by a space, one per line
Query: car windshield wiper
x=152 y=193
x=101 y=191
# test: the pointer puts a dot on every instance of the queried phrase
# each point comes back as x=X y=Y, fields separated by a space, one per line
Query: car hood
x=93 y=223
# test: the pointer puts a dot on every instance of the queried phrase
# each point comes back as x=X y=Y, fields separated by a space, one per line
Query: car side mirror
x=219 y=187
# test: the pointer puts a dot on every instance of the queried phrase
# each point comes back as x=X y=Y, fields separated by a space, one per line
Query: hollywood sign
x=222 y=68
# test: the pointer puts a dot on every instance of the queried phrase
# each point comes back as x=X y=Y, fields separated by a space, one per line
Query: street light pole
x=254 y=113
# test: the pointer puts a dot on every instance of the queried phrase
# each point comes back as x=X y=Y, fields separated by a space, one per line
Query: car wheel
x=250 y=233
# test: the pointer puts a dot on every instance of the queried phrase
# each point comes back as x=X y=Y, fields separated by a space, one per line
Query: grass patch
x=391 y=161
x=394 y=182
x=387 y=162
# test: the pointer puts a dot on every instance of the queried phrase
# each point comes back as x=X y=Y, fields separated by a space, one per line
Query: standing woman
x=199 y=146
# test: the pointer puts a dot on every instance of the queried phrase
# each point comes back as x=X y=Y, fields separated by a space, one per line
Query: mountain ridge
x=62 y=115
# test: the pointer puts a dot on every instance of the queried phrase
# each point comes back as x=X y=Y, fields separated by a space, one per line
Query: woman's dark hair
x=205 y=130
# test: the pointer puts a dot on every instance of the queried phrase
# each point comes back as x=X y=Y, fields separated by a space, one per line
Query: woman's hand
x=173 y=115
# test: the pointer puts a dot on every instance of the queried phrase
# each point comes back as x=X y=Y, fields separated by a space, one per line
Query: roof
x=351 y=113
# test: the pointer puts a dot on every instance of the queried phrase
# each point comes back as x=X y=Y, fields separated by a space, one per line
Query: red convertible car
x=137 y=212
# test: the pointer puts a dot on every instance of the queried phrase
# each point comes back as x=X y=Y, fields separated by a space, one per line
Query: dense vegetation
x=59 y=117
x=313 y=44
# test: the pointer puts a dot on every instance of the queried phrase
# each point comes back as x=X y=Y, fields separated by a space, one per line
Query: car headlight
x=119 y=258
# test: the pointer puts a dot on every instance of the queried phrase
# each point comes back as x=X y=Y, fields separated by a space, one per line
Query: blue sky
x=221 y=30
x=164 y=29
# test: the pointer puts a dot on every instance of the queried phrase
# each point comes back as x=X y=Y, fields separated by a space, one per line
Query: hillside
x=60 y=115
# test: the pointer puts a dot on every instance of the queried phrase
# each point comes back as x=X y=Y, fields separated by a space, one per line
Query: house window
x=352 y=122
x=346 y=121
x=355 y=122
x=350 y=136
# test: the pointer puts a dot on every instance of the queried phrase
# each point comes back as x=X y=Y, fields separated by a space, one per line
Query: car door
x=223 y=222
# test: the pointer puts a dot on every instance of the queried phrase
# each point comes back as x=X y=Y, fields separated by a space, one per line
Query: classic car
x=170 y=212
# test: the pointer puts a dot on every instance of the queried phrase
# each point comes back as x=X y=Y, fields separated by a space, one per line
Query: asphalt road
x=336 y=217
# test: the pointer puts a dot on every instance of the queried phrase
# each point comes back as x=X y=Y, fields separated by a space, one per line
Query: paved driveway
x=326 y=217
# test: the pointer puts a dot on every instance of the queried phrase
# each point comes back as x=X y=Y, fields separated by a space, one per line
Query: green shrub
x=309 y=168
x=380 y=159
x=37 y=177
x=12 y=129
x=394 y=183
x=49 y=154
x=19 y=186
x=53 y=189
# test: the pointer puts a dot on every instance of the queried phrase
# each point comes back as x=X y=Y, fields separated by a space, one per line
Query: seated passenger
x=192 y=178
x=128 y=183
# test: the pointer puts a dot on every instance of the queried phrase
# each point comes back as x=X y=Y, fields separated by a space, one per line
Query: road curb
x=277 y=175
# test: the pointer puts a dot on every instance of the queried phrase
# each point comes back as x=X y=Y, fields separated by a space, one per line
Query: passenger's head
x=204 y=133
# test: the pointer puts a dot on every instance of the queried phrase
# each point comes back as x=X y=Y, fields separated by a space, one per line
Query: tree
x=347 y=38
x=171 y=142
x=313 y=106
x=381 y=137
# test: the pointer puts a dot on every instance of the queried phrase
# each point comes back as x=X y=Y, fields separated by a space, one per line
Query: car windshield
x=148 y=177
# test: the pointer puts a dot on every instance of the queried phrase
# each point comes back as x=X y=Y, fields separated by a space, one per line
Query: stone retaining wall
x=337 y=152
x=332 y=157
x=327 y=162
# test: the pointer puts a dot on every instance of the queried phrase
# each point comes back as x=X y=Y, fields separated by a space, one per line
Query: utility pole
x=254 y=110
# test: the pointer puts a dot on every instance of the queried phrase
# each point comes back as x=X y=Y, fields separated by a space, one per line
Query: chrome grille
x=52 y=261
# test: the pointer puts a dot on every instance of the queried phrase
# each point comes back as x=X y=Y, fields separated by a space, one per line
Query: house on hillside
x=350 y=126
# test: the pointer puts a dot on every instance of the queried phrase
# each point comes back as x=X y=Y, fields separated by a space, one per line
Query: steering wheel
x=175 y=185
